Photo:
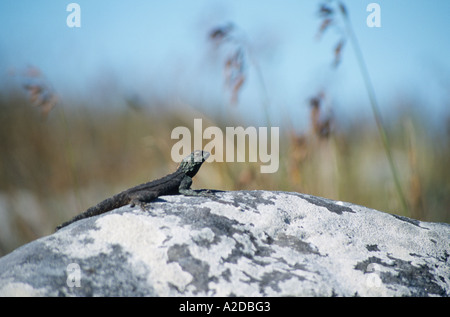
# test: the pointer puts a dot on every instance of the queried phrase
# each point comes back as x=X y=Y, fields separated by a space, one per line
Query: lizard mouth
x=205 y=155
x=200 y=156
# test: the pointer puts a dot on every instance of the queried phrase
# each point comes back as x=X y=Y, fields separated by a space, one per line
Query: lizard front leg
x=185 y=188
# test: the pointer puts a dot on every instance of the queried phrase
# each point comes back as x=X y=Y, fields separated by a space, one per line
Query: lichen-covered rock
x=245 y=243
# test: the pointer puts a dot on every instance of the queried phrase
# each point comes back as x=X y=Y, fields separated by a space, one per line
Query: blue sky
x=161 y=48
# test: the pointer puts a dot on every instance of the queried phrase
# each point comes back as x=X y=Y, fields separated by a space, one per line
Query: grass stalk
x=70 y=157
x=375 y=107
x=262 y=83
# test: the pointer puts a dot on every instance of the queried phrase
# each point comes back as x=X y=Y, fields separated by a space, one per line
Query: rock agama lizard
x=178 y=182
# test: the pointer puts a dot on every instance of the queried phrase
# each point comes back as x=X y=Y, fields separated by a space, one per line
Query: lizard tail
x=102 y=207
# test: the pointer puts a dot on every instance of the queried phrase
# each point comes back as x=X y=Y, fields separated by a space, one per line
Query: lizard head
x=191 y=163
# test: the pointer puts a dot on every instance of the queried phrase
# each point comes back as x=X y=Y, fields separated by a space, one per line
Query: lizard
x=179 y=182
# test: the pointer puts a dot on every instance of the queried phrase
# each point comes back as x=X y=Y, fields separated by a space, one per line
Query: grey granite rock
x=244 y=243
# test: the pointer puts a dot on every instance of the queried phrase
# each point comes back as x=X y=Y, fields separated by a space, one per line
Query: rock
x=243 y=243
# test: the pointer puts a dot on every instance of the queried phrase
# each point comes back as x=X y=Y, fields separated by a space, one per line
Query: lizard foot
x=206 y=193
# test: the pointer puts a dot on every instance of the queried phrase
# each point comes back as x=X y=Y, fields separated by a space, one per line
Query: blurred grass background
x=59 y=156
x=53 y=168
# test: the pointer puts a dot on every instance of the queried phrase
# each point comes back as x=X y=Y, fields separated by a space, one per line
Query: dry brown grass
x=81 y=153
x=114 y=150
